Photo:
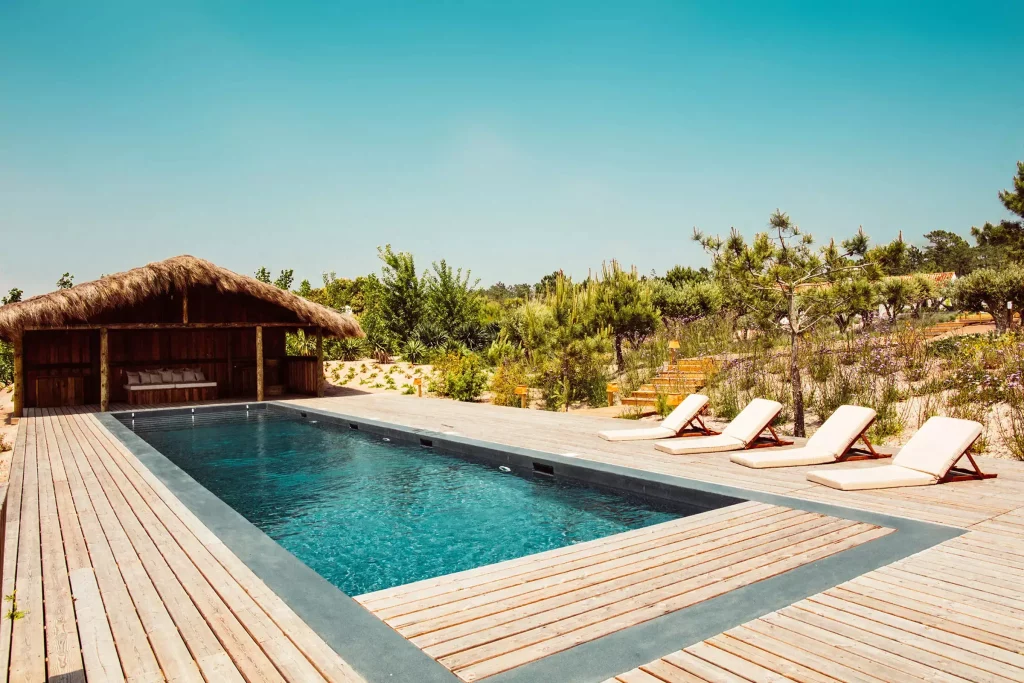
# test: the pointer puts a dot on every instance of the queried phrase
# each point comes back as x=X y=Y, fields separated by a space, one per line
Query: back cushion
x=685 y=412
x=937 y=445
x=178 y=376
x=841 y=429
x=133 y=378
x=144 y=377
x=753 y=419
x=167 y=376
x=188 y=375
x=200 y=377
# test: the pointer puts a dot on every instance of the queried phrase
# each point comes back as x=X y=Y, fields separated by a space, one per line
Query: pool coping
x=380 y=653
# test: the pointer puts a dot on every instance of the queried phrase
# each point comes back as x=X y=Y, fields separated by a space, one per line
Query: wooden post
x=19 y=376
x=231 y=365
x=319 y=362
x=104 y=371
x=259 y=363
x=184 y=306
x=611 y=390
x=523 y=391
x=419 y=386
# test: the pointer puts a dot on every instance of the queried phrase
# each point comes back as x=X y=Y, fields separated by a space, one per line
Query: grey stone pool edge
x=379 y=653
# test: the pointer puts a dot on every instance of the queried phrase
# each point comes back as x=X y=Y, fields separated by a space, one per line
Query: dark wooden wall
x=226 y=356
x=55 y=354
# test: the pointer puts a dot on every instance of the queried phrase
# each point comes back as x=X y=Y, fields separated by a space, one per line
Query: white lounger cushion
x=787 y=457
x=827 y=444
x=884 y=477
x=753 y=419
x=700 y=444
x=741 y=431
x=685 y=412
x=669 y=427
x=937 y=445
x=637 y=434
x=929 y=454
x=194 y=385
x=149 y=387
x=841 y=429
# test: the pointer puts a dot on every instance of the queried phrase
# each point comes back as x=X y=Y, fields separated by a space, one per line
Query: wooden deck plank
x=63 y=656
x=28 y=654
x=11 y=538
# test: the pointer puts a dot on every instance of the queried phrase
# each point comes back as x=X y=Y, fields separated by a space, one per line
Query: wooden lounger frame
x=853 y=453
x=960 y=474
x=758 y=441
x=699 y=429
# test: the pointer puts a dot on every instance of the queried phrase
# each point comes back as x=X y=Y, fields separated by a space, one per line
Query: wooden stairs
x=962 y=321
x=675 y=380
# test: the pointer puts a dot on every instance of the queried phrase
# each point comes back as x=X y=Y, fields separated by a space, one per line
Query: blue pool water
x=368 y=514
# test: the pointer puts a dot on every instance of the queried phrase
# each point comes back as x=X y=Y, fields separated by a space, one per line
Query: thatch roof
x=83 y=302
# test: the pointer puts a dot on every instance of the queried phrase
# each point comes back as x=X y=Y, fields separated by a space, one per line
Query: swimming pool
x=367 y=513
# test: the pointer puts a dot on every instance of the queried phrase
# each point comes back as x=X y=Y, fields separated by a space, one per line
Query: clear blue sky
x=511 y=138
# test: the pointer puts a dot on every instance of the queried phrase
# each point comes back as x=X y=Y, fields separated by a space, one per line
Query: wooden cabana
x=87 y=344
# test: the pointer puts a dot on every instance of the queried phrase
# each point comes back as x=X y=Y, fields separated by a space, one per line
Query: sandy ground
x=372 y=377
x=7 y=433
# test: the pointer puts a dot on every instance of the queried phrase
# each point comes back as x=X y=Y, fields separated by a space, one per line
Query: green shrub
x=508 y=376
x=461 y=377
x=415 y=351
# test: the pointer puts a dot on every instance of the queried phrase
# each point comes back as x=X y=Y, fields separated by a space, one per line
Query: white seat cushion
x=841 y=429
x=194 y=385
x=753 y=419
x=786 y=457
x=685 y=412
x=701 y=444
x=884 y=477
x=150 y=387
x=636 y=434
x=937 y=445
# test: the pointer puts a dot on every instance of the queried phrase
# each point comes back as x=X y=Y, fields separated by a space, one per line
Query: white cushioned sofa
x=168 y=385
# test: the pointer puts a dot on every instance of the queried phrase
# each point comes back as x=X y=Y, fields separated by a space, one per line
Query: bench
x=168 y=386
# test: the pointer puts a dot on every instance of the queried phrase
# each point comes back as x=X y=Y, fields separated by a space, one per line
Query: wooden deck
x=487 y=620
x=118 y=581
x=954 y=612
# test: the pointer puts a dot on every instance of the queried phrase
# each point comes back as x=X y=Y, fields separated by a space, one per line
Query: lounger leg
x=871 y=449
x=960 y=474
x=700 y=423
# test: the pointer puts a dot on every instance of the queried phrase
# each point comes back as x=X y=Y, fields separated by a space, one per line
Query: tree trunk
x=1000 y=318
x=618 y=351
x=798 y=389
x=794 y=371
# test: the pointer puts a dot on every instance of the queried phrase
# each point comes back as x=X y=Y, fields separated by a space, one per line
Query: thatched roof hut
x=184 y=317
x=93 y=301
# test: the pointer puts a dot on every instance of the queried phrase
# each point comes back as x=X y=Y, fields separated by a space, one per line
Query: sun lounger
x=930 y=457
x=741 y=433
x=686 y=414
x=833 y=442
